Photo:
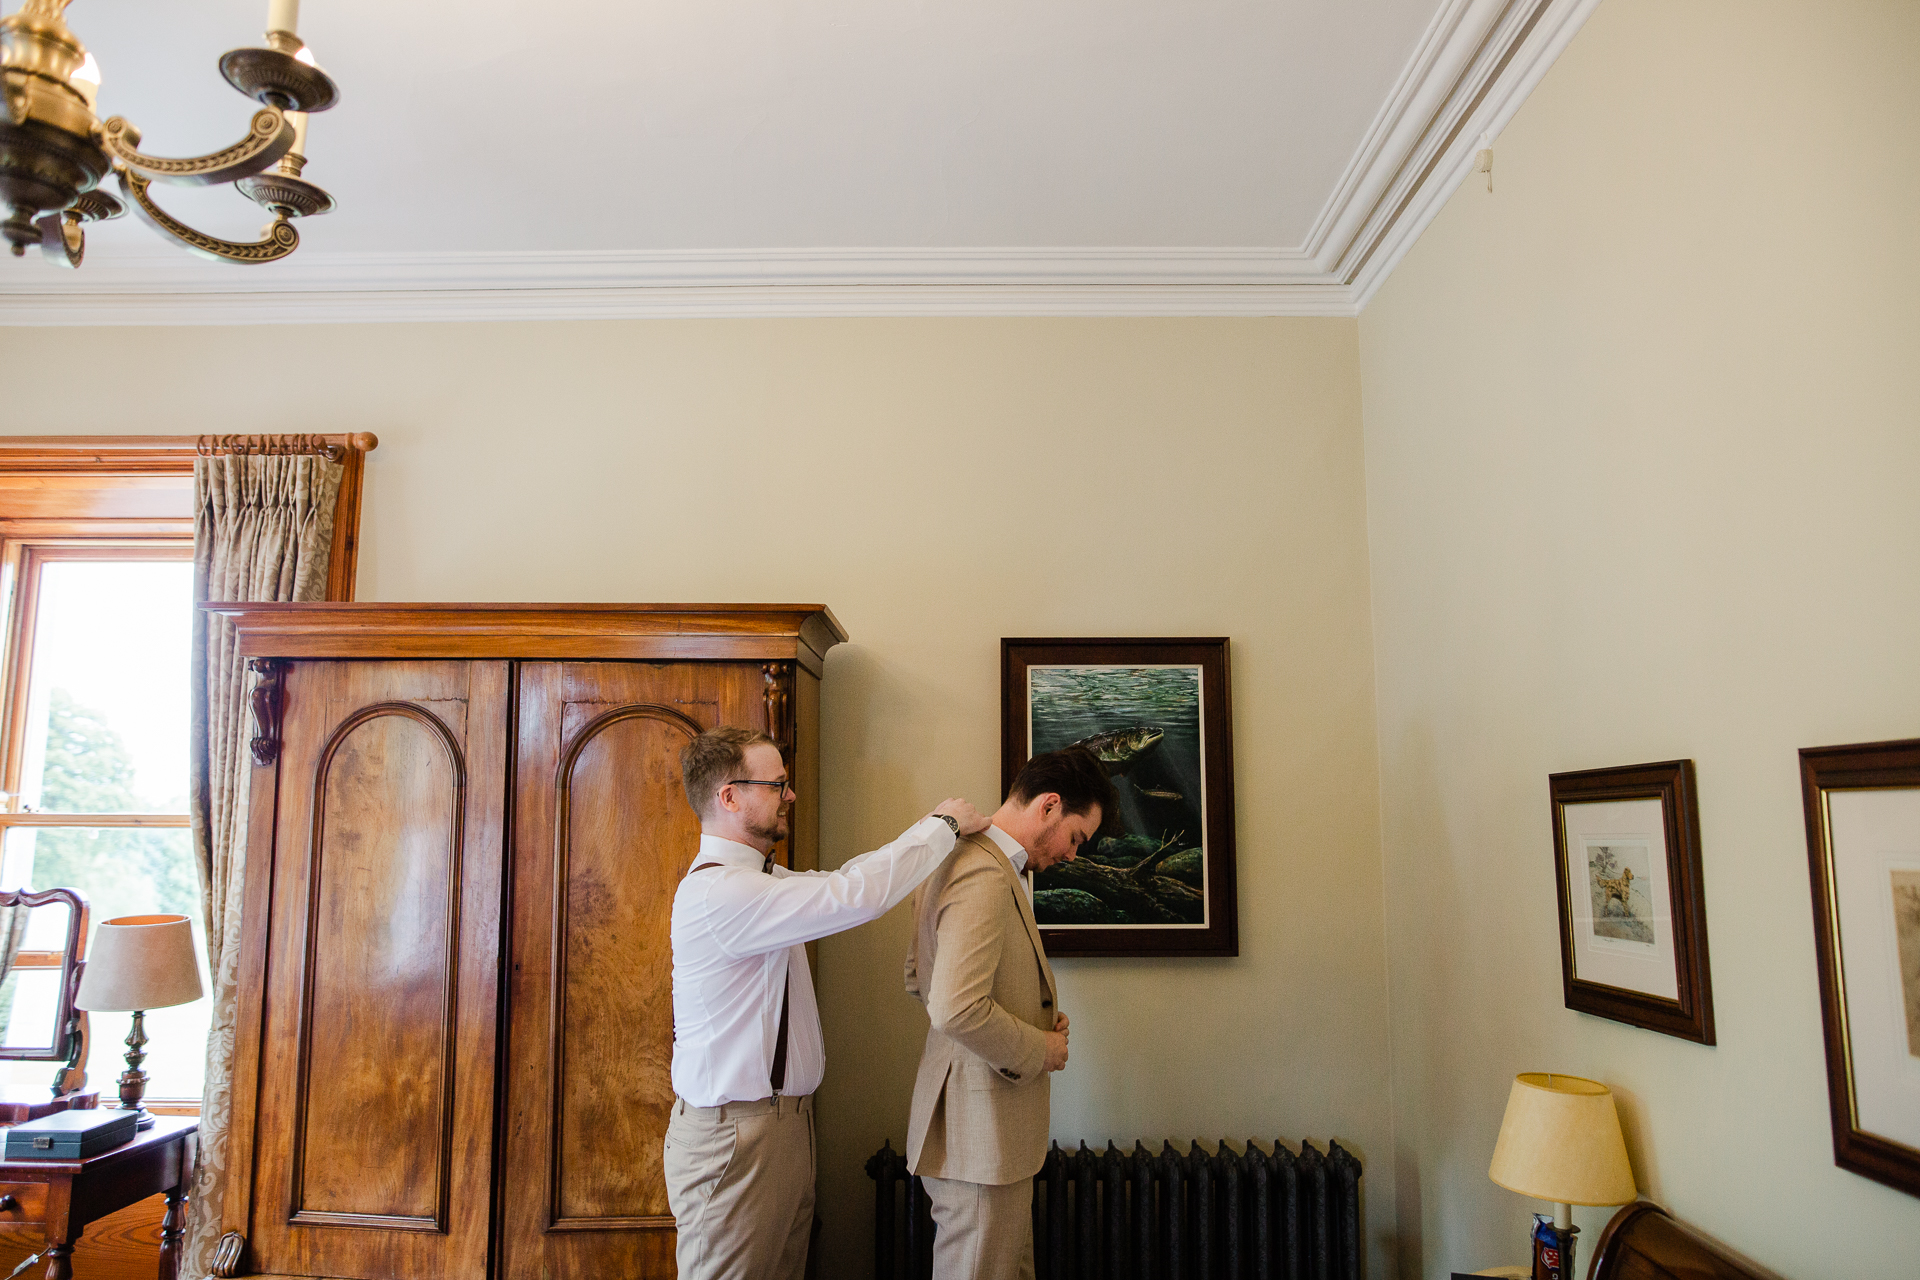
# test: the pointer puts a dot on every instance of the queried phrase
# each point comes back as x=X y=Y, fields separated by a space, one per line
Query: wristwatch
x=950 y=820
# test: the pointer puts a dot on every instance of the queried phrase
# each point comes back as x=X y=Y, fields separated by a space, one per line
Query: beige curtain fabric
x=263 y=530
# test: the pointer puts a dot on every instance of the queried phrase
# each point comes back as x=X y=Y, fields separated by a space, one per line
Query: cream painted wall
x=941 y=484
x=1641 y=453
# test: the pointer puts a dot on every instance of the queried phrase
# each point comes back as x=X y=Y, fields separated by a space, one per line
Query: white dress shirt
x=1009 y=846
x=739 y=940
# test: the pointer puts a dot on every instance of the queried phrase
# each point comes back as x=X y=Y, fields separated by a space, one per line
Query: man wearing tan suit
x=978 y=1129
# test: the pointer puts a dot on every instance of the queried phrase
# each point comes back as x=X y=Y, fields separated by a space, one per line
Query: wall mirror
x=42 y=936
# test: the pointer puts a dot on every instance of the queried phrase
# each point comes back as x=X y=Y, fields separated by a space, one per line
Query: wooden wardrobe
x=463 y=838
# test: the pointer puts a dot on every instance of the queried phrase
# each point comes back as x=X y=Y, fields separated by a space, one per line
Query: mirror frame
x=66 y=1018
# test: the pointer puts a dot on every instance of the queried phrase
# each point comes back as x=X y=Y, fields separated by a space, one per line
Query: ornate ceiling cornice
x=1473 y=68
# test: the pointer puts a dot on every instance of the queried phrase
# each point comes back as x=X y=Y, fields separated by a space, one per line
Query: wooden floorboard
x=121 y=1246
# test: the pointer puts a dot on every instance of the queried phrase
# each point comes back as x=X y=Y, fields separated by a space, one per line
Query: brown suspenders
x=778 y=1077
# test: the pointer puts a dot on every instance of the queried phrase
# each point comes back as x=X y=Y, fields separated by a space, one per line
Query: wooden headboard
x=1645 y=1242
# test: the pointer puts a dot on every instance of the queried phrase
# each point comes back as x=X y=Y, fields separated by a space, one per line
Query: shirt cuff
x=935 y=831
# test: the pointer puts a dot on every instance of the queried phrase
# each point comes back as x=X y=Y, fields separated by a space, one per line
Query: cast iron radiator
x=1116 y=1215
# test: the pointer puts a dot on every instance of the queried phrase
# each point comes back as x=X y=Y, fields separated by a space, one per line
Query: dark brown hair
x=1074 y=774
x=712 y=760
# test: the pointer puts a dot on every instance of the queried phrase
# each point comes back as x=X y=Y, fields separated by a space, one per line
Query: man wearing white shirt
x=748 y=1052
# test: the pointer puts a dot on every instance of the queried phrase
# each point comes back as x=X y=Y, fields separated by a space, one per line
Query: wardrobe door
x=373 y=1136
x=602 y=835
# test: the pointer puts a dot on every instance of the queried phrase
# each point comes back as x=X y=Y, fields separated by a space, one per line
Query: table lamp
x=1560 y=1141
x=138 y=963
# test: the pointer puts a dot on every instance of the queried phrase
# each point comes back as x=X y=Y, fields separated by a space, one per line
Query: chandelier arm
x=270 y=137
x=62 y=241
x=280 y=239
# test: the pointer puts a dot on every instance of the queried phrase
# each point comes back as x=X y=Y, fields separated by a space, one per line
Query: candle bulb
x=283 y=15
x=86 y=80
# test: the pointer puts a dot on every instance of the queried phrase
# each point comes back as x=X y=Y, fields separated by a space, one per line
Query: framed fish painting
x=1158 y=878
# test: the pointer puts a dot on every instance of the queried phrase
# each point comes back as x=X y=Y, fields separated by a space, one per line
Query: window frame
x=21 y=560
x=118 y=498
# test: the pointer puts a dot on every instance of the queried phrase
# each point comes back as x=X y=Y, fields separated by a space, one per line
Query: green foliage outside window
x=121 y=870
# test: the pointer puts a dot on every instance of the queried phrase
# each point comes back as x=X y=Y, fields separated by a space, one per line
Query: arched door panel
x=603 y=833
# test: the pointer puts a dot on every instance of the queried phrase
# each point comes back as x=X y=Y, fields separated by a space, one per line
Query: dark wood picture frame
x=1875 y=766
x=1671 y=782
x=1219 y=935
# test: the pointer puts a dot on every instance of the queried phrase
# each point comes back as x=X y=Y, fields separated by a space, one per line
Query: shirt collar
x=1009 y=846
x=729 y=852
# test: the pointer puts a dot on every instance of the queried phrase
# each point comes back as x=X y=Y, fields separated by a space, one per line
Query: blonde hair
x=714 y=759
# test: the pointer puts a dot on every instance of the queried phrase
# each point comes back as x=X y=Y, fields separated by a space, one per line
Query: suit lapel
x=1033 y=935
x=1025 y=908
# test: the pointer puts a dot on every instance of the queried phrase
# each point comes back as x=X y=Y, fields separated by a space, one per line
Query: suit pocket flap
x=977 y=1073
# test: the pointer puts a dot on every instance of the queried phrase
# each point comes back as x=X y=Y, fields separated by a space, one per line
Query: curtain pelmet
x=263 y=531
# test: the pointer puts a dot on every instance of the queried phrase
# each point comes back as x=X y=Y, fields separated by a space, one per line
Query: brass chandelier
x=54 y=152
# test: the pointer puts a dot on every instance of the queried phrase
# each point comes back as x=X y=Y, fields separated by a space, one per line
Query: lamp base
x=1553 y=1249
x=133 y=1081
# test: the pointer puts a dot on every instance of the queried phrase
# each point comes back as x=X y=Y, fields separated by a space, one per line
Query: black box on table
x=70 y=1135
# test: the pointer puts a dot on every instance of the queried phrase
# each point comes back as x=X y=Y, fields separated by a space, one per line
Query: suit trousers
x=983 y=1232
x=740 y=1184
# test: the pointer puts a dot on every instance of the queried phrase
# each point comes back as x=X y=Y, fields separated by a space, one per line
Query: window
x=96 y=550
x=95 y=778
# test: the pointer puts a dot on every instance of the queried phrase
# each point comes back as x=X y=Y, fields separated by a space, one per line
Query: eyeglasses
x=779 y=784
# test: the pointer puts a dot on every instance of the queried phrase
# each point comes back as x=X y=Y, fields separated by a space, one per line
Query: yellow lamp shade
x=140 y=962
x=1561 y=1141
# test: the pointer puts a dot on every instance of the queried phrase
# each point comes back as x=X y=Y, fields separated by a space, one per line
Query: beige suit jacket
x=976 y=963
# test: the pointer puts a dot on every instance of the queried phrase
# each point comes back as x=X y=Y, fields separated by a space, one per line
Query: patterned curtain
x=263 y=530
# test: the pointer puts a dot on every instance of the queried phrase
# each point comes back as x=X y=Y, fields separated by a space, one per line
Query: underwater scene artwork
x=1147 y=868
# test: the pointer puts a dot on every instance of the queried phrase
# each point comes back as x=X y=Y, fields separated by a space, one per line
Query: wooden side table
x=63 y=1196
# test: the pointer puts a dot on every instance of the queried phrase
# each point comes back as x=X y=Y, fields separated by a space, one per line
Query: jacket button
x=1011 y=1075
x=1046 y=1004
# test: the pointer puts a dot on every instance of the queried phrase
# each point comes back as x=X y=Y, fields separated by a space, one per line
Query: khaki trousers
x=984 y=1232
x=740 y=1184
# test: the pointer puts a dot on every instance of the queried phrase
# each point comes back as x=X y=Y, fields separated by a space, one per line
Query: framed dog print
x=1158 y=879
x=1862 y=806
x=1633 y=919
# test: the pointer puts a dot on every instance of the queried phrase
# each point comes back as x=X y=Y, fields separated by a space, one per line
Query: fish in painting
x=1158 y=793
x=1121 y=749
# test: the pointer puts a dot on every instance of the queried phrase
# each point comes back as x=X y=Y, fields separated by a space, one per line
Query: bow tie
x=766 y=868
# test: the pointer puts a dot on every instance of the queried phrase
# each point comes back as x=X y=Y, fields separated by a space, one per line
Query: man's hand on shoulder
x=969 y=818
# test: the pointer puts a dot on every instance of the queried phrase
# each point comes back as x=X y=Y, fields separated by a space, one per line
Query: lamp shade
x=140 y=962
x=1561 y=1141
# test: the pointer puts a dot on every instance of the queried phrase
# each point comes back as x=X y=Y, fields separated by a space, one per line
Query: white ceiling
x=819 y=157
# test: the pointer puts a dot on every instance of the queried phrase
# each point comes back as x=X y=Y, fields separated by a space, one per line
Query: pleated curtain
x=263 y=530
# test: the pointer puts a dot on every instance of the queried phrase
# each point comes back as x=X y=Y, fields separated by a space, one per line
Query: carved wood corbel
x=778 y=696
x=779 y=705
x=268 y=695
